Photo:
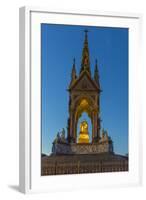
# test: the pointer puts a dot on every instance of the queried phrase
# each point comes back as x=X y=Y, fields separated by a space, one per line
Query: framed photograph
x=79 y=100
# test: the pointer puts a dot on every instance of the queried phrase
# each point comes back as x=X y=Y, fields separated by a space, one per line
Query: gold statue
x=84 y=135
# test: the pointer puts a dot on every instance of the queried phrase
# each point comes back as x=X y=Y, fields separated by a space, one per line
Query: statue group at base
x=83 y=146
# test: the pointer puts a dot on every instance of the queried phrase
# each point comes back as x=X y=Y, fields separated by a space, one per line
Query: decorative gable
x=84 y=82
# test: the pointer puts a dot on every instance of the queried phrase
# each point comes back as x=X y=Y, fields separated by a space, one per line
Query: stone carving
x=60 y=137
x=84 y=96
x=105 y=137
x=63 y=136
x=82 y=148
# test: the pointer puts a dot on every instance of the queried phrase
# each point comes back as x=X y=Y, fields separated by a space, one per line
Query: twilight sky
x=59 y=45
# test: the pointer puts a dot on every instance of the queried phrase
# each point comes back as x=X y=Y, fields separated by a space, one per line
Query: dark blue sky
x=59 y=45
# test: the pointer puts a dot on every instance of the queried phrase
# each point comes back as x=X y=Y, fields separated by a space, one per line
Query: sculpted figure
x=63 y=135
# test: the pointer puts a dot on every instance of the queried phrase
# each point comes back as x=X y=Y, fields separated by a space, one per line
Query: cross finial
x=86 y=31
x=74 y=61
x=96 y=61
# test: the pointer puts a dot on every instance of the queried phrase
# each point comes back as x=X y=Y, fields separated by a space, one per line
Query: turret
x=85 y=63
x=73 y=73
x=96 y=74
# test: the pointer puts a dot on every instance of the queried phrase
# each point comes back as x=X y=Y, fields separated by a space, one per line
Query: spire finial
x=86 y=36
x=96 y=65
x=85 y=65
x=96 y=61
x=86 y=31
x=74 y=61
x=73 y=74
x=96 y=73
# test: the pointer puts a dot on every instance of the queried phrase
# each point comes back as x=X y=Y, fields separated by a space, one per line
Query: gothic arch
x=83 y=103
x=83 y=106
x=84 y=93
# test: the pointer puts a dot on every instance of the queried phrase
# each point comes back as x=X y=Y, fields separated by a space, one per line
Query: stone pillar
x=75 y=130
x=72 y=128
x=94 y=127
x=98 y=128
x=70 y=131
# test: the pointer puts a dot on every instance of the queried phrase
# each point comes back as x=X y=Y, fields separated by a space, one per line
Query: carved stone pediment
x=85 y=83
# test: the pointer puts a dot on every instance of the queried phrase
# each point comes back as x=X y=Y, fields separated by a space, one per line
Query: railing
x=77 y=168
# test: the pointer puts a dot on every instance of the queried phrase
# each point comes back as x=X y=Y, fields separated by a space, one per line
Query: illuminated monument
x=73 y=154
x=84 y=96
x=84 y=134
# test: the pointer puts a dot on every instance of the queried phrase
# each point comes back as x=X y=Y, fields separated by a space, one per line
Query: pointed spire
x=73 y=74
x=96 y=74
x=85 y=65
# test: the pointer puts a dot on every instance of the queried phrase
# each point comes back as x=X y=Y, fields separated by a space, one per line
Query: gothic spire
x=85 y=64
x=73 y=74
x=96 y=74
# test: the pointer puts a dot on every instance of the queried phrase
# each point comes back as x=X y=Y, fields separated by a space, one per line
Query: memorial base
x=73 y=148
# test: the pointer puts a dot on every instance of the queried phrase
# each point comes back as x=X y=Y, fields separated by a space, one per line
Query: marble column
x=94 y=126
x=93 y=133
x=72 y=127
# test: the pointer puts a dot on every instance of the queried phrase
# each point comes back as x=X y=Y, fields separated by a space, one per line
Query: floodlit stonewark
x=83 y=152
x=84 y=96
x=83 y=148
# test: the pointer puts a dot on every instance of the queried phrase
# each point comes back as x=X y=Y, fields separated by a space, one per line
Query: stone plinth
x=87 y=163
x=101 y=147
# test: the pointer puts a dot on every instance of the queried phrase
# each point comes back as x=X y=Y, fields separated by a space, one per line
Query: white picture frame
x=29 y=144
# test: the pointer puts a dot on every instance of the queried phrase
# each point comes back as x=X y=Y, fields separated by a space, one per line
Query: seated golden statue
x=83 y=135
